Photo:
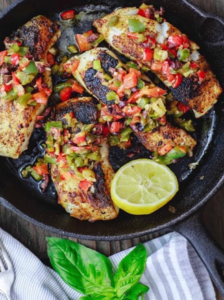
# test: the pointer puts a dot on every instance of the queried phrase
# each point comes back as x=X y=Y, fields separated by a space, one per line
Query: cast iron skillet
x=42 y=209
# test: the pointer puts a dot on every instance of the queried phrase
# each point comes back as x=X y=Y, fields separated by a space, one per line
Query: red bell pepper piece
x=82 y=42
x=182 y=107
x=79 y=139
x=68 y=15
x=178 y=80
x=15 y=59
x=156 y=66
x=130 y=80
x=148 y=54
x=85 y=185
x=77 y=88
x=141 y=12
x=105 y=131
x=175 y=40
x=164 y=46
x=2 y=56
x=162 y=120
x=115 y=127
x=65 y=94
x=171 y=77
x=193 y=65
x=166 y=68
x=40 y=97
x=61 y=158
x=137 y=72
x=173 y=52
x=41 y=169
x=130 y=111
x=201 y=74
x=15 y=80
x=165 y=149
x=8 y=87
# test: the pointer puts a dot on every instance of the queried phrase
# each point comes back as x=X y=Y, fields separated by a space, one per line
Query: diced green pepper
x=176 y=152
x=187 y=125
x=55 y=69
x=97 y=64
x=12 y=95
x=23 y=51
x=136 y=25
x=7 y=59
x=25 y=78
x=117 y=83
x=58 y=88
x=107 y=77
x=114 y=140
x=94 y=156
x=128 y=121
x=111 y=96
x=29 y=89
x=113 y=21
x=24 y=99
x=56 y=124
x=132 y=65
x=31 y=68
x=87 y=127
x=125 y=135
x=49 y=159
x=140 y=84
x=143 y=101
x=160 y=55
x=36 y=176
x=79 y=162
x=72 y=49
x=140 y=38
x=13 y=49
x=64 y=59
x=183 y=54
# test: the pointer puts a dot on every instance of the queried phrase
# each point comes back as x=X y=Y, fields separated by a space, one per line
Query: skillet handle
x=207 y=249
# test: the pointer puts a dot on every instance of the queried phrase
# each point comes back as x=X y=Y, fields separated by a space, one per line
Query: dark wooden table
x=33 y=237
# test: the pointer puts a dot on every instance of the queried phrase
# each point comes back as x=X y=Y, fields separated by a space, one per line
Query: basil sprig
x=90 y=273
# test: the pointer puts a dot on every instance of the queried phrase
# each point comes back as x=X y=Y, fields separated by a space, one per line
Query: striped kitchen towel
x=173 y=272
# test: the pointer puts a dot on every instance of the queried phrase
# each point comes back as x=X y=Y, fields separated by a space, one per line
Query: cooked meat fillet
x=16 y=121
x=164 y=135
x=94 y=204
x=153 y=141
x=39 y=34
x=200 y=98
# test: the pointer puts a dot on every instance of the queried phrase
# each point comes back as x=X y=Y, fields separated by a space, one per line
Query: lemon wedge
x=143 y=186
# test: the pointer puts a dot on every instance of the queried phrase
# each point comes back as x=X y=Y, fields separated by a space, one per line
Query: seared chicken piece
x=199 y=96
x=17 y=121
x=95 y=203
x=86 y=75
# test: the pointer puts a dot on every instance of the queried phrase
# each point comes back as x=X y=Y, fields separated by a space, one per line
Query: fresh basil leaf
x=136 y=291
x=83 y=269
x=130 y=269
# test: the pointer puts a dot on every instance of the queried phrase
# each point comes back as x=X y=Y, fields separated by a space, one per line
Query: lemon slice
x=142 y=186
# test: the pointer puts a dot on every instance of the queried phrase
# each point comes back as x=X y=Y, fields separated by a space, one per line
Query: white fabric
x=173 y=272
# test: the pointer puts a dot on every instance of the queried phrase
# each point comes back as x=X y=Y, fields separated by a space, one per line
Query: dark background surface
x=33 y=237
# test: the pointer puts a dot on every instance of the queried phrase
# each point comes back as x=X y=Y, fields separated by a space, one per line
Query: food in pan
x=133 y=102
x=25 y=82
x=165 y=50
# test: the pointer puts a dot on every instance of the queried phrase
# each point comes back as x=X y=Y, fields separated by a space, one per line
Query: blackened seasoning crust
x=94 y=85
x=188 y=89
x=101 y=197
x=107 y=62
x=85 y=110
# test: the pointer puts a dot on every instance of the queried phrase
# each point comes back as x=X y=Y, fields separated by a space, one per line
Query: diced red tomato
x=41 y=169
x=72 y=114
x=148 y=54
x=50 y=59
x=178 y=80
x=173 y=52
x=15 y=80
x=2 y=56
x=115 y=127
x=182 y=107
x=134 y=97
x=68 y=15
x=162 y=120
x=164 y=46
x=105 y=131
x=130 y=80
x=201 y=74
x=65 y=94
x=15 y=59
x=79 y=139
x=85 y=185
x=131 y=111
x=132 y=35
x=8 y=87
x=156 y=66
x=166 y=68
x=78 y=149
x=137 y=72
x=151 y=40
x=120 y=91
x=40 y=97
x=185 y=41
x=39 y=118
x=193 y=65
x=165 y=149
x=47 y=91
x=82 y=42
x=175 y=40
x=77 y=88
x=171 y=77
x=141 y=12
x=154 y=92
x=39 y=84
x=61 y=158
